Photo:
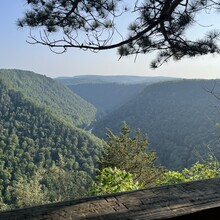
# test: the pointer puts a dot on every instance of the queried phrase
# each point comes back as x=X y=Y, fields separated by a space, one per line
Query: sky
x=16 y=53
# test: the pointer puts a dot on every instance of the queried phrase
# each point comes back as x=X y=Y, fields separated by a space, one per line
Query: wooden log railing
x=193 y=200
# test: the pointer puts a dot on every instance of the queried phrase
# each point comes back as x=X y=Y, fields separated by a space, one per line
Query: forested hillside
x=33 y=138
x=44 y=157
x=179 y=117
x=50 y=94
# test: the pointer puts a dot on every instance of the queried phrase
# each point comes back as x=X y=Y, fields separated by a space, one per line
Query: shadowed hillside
x=179 y=117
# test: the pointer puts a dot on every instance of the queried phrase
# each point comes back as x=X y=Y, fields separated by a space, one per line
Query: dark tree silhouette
x=158 y=25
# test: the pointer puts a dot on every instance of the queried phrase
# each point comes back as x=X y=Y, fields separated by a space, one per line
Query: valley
x=58 y=126
x=179 y=118
x=178 y=115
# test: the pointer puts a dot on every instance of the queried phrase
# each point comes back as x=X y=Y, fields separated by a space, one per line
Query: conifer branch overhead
x=158 y=25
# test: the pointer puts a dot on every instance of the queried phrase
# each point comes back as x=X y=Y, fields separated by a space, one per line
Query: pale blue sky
x=16 y=53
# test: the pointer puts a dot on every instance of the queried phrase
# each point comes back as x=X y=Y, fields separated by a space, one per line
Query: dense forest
x=179 y=117
x=46 y=156
x=46 y=92
x=32 y=138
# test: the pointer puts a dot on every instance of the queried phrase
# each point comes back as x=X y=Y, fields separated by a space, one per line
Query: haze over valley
x=178 y=115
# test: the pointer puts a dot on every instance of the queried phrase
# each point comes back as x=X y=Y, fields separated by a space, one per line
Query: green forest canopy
x=45 y=158
x=33 y=139
x=46 y=92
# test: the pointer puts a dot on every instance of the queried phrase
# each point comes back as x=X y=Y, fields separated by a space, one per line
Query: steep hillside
x=180 y=119
x=50 y=94
x=31 y=137
x=107 y=97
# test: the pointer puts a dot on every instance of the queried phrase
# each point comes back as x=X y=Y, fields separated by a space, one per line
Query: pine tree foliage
x=131 y=154
x=158 y=25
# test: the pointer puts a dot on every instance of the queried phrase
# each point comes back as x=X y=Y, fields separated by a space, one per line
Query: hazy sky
x=16 y=53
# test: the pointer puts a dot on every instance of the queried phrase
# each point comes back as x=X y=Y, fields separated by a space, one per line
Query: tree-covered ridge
x=31 y=138
x=179 y=117
x=119 y=79
x=50 y=94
